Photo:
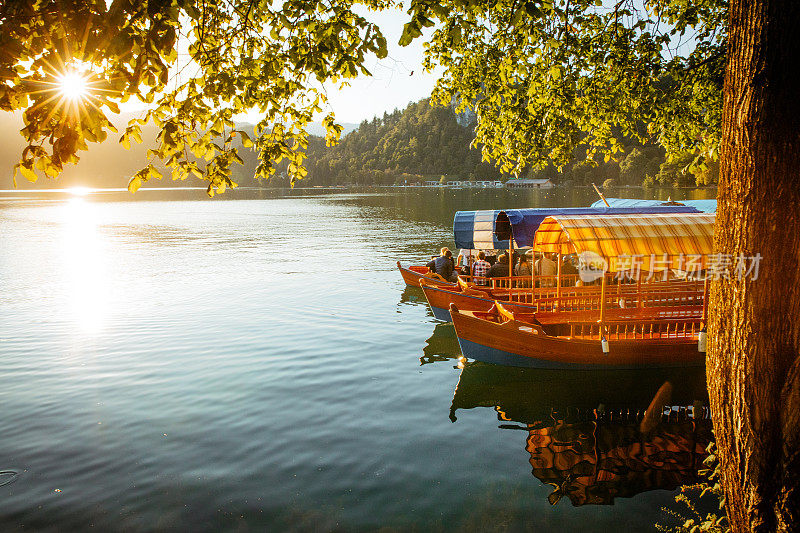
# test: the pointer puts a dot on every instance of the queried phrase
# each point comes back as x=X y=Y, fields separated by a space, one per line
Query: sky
x=396 y=80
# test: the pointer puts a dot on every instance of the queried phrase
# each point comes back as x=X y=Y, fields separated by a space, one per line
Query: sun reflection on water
x=79 y=190
x=84 y=265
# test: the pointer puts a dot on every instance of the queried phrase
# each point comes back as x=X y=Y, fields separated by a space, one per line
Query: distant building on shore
x=464 y=184
x=531 y=184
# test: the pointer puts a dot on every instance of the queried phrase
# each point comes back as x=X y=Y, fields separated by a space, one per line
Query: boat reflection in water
x=592 y=436
x=441 y=346
x=413 y=296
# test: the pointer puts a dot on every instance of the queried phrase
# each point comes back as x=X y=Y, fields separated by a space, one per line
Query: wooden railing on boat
x=677 y=328
x=659 y=294
x=523 y=282
x=673 y=322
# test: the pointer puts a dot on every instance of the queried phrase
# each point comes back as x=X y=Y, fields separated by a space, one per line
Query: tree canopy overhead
x=198 y=63
x=543 y=76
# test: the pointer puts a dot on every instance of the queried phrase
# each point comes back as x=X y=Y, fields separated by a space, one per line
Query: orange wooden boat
x=469 y=297
x=412 y=275
x=637 y=338
x=440 y=297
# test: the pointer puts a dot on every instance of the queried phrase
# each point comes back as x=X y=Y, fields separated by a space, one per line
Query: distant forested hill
x=423 y=143
x=418 y=143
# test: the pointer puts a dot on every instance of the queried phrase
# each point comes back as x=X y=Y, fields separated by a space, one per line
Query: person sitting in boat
x=499 y=269
x=480 y=268
x=545 y=266
x=466 y=258
x=444 y=266
x=569 y=269
x=523 y=269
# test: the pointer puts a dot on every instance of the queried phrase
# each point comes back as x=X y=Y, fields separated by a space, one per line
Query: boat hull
x=507 y=344
x=439 y=298
x=413 y=274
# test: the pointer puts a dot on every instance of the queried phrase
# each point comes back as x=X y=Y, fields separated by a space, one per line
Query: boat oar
x=652 y=417
x=601 y=195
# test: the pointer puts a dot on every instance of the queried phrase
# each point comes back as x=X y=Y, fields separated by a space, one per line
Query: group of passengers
x=482 y=266
x=444 y=265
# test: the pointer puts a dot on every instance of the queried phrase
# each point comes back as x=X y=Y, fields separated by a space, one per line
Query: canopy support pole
x=603 y=340
x=702 y=338
x=601 y=195
x=558 y=282
x=510 y=264
x=639 y=302
x=705 y=300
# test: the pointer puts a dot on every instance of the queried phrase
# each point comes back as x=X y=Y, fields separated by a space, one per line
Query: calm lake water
x=255 y=362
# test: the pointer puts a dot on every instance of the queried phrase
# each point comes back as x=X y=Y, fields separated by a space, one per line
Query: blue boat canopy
x=704 y=206
x=491 y=230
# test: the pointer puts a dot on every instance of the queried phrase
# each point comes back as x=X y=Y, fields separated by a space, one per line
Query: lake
x=255 y=362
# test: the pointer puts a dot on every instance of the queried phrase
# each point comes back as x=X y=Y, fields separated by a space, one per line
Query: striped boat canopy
x=658 y=241
x=475 y=230
x=525 y=222
x=705 y=206
x=489 y=230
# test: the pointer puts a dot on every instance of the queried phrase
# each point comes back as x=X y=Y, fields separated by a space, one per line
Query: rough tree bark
x=754 y=332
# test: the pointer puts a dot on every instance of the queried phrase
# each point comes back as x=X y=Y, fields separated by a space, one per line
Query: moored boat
x=470 y=297
x=440 y=297
x=507 y=230
x=412 y=275
x=635 y=342
x=500 y=230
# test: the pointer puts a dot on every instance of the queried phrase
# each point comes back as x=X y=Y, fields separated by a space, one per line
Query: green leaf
x=533 y=11
x=246 y=142
x=134 y=184
x=26 y=171
x=411 y=31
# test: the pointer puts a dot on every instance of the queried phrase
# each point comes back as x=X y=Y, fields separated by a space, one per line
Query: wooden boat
x=440 y=297
x=414 y=273
x=499 y=230
x=470 y=297
x=600 y=336
x=504 y=229
x=666 y=338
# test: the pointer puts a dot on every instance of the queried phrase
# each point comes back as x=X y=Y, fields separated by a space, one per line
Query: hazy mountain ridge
x=109 y=164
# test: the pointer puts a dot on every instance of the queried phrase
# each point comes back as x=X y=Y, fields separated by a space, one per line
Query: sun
x=73 y=86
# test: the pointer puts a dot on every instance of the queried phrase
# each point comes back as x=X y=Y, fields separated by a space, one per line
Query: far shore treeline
x=419 y=143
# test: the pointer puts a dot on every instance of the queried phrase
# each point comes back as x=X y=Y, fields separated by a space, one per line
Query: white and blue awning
x=704 y=206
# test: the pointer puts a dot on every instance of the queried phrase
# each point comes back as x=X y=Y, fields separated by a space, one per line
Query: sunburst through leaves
x=73 y=85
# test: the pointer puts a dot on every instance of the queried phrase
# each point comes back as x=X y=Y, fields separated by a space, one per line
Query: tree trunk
x=753 y=361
